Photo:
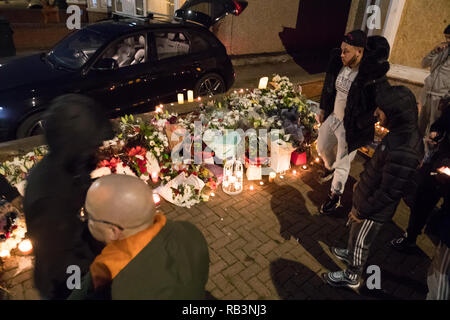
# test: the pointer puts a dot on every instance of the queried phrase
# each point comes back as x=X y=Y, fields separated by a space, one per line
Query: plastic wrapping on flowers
x=142 y=148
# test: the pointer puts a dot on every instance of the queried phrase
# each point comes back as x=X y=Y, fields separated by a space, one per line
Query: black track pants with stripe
x=362 y=235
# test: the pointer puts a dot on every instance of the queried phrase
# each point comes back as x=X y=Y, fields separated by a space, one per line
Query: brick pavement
x=271 y=243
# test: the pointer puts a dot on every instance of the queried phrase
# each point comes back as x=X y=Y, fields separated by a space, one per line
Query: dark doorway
x=320 y=27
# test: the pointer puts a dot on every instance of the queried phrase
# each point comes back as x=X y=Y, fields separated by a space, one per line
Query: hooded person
x=147 y=256
x=355 y=74
x=428 y=189
x=436 y=85
x=383 y=182
x=75 y=126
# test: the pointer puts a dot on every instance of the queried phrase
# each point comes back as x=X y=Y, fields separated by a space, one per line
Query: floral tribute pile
x=144 y=148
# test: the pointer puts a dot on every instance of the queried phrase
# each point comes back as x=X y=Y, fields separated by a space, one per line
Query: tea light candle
x=154 y=177
x=261 y=183
x=156 y=199
x=294 y=172
x=180 y=98
x=272 y=176
x=305 y=167
x=251 y=188
x=190 y=95
x=25 y=246
x=4 y=253
x=263 y=83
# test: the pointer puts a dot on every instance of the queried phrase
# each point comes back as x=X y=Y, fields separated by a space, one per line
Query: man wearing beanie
x=437 y=84
x=355 y=72
x=382 y=184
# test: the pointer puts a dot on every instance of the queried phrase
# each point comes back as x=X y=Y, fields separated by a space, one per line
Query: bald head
x=125 y=201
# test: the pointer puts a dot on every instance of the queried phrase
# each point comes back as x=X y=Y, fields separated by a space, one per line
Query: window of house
x=170 y=44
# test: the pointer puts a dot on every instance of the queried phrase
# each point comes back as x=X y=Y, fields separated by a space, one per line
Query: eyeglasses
x=85 y=216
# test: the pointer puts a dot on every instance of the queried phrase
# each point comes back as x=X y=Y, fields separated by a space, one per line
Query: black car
x=128 y=65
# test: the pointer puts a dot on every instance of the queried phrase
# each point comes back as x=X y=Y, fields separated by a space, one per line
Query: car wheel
x=209 y=85
x=32 y=126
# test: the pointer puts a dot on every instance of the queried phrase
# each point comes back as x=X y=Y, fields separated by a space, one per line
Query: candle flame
x=156 y=198
x=4 y=253
x=25 y=246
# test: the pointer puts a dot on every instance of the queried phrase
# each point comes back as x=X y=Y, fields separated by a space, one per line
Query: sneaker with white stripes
x=343 y=279
x=341 y=254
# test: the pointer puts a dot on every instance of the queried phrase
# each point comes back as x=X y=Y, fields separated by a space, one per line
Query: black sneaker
x=341 y=254
x=331 y=204
x=343 y=279
x=403 y=244
x=326 y=175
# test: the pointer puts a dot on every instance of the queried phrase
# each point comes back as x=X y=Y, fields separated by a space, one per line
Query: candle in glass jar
x=190 y=95
x=180 y=98
x=263 y=83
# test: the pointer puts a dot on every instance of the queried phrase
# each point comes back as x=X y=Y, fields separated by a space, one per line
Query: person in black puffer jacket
x=347 y=105
x=382 y=183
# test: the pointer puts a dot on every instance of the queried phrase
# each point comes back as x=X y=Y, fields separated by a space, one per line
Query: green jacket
x=173 y=266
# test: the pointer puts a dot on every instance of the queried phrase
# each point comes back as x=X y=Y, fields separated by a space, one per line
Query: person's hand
x=18 y=203
x=440 y=47
x=321 y=116
x=353 y=216
x=430 y=139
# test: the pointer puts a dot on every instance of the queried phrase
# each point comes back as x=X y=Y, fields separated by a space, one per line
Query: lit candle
x=444 y=170
x=295 y=171
x=4 y=253
x=25 y=246
x=261 y=183
x=263 y=83
x=156 y=199
x=154 y=177
x=272 y=176
x=305 y=167
x=199 y=99
x=190 y=95
x=317 y=160
x=281 y=177
x=212 y=194
x=180 y=98
x=251 y=188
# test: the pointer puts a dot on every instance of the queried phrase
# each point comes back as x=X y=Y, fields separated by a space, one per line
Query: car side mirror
x=106 y=64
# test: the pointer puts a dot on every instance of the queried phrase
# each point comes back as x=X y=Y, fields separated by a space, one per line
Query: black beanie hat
x=447 y=30
x=356 y=38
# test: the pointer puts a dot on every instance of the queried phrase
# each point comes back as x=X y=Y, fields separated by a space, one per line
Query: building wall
x=421 y=29
x=256 y=29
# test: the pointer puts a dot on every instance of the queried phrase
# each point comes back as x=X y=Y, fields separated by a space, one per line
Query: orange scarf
x=117 y=254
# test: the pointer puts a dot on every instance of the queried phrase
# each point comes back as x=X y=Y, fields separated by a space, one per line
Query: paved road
x=272 y=244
